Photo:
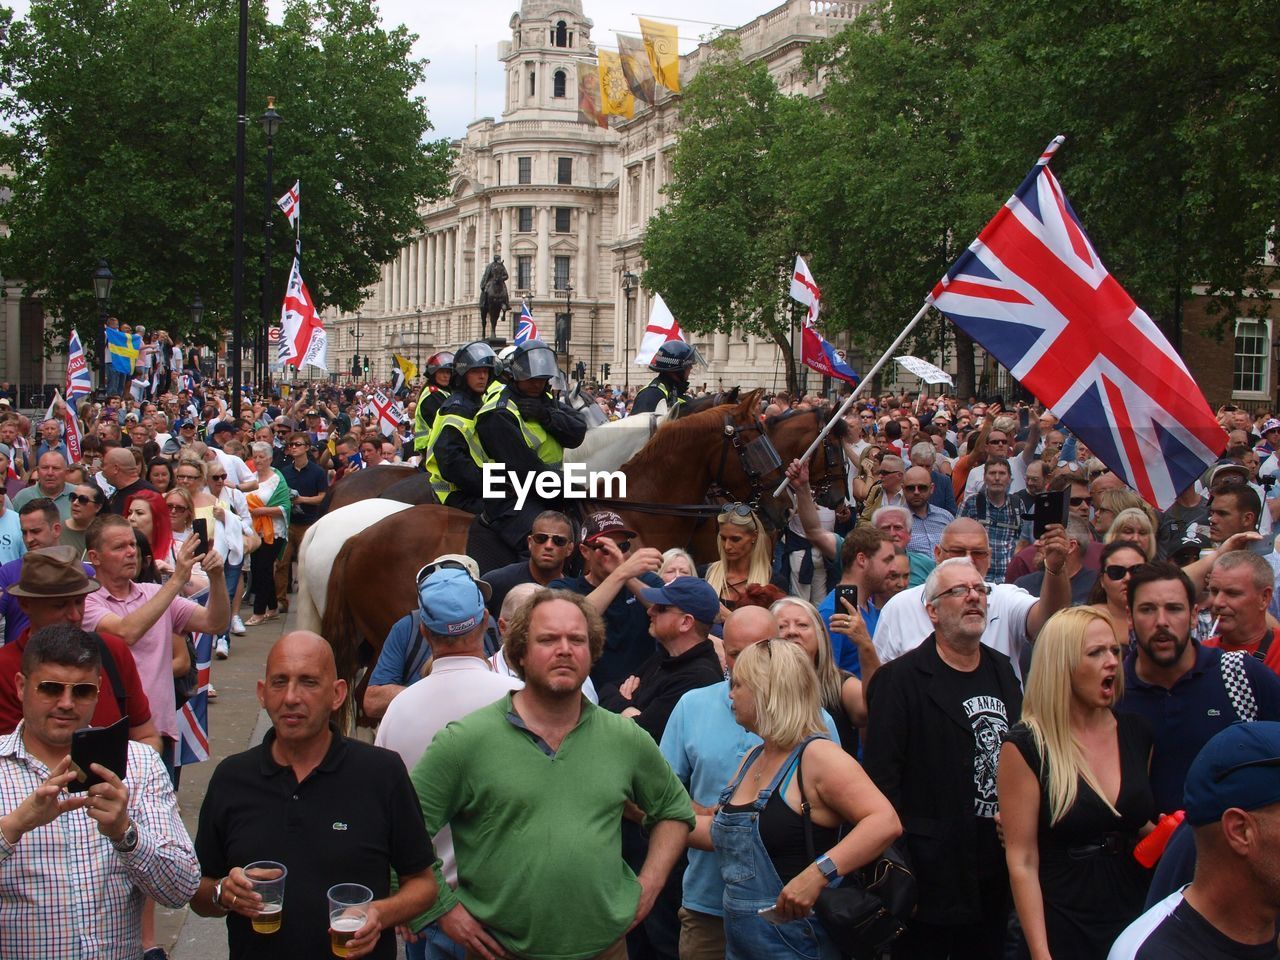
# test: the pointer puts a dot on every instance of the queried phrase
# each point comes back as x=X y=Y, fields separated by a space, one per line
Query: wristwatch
x=128 y=842
x=828 y=867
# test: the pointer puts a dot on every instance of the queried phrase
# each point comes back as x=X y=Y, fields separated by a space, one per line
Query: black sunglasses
x=558 y=539
x=1076 y=501
x=81 y=498
x=740 y=509
x=431 y=568
x=623 y=545
x=53 y=689
x=916 y=487
x=1116 y=571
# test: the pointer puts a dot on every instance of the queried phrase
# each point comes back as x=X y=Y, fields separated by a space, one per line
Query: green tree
x=121 y=142
x=721 y=251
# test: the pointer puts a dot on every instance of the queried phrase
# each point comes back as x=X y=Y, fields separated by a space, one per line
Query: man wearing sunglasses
x=115 y=845
x=1232 y=803
x=550 y=546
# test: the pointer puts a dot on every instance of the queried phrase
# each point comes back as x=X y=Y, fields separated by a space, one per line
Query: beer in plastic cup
x=268 y=878
x=348 y=911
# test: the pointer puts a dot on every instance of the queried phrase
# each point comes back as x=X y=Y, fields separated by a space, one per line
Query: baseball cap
x=1238 y=767
x=450 y=602
x=1189 y=549
x=223 y=426
x=455 y=561
x=602 y=522
x=1269 y=425
x=1222 y=469
x=692 y=595
x=179 y=424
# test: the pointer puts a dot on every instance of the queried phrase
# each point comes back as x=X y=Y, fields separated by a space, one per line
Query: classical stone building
x=565 y=205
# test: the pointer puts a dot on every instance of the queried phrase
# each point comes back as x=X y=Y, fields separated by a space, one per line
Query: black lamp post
x=417 y=342
x=270 y=124
x=103 y=278
x=628 y=284
x=237 y=218
x=568 y=325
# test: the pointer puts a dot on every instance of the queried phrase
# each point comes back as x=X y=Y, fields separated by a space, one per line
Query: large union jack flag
x=1032 y=291
x=526 y=329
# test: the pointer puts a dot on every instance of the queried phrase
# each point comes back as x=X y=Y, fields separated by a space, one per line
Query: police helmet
x=672 y=356
x=533 y=360
x=439 y=361
x=476 y=355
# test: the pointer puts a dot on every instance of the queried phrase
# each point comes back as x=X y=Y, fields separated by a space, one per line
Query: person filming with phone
x=78 y=889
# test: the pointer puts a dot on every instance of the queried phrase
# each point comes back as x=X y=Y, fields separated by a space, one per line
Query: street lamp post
x=417 y=341
x=103 y=278
x=568 y=324
x=270 y=124
x=628 y=284
x=237 y=219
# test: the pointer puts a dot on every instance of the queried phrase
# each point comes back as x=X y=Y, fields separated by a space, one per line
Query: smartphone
x=108 y=746
x=1024 y=418
x=201 y=527
x=771 y=914
x=847 y=591
x=1052 y=506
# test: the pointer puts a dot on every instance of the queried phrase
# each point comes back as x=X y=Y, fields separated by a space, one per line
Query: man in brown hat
x=51 y=590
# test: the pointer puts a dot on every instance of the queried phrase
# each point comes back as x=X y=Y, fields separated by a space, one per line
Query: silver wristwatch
x=128 y=842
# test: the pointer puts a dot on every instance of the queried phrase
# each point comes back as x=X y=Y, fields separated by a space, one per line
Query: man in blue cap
x=453 y=618
x=680 y=618
x=1232 y=802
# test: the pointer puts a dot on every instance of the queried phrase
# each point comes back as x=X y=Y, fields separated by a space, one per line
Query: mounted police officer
x=434 y=393
x=454 y=455
x=672 y=362
x=523 y=427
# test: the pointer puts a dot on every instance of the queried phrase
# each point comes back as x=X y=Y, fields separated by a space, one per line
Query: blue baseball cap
x=450 y=602
x=692 y=595
x=1238 y=767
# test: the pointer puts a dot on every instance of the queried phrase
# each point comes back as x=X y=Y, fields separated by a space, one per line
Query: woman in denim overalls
x=775 y=695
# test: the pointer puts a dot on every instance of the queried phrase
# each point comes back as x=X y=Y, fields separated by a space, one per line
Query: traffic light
x=580 y=371
x=366 y=364
x=606 y=371
x=355 y=365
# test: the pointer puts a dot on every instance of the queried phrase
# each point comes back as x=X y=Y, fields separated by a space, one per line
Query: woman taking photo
x=1111 y=591
x=746 y=555
x=758 y=832
x=839 y=692
x=269 y=506
x=1074 y=794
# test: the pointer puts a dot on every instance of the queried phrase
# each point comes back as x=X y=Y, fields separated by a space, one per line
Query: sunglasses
x=889 y=473
x=558 y=539
x=81 y=498
x=54 y=689
x=431 y=568
x=188 y=476
x=737 y=509
x=295 y=444
x=217 y=476
x=1076 y=501
x=1116 y=571
x=177 y=508
x=916 y=487
x=623 y=545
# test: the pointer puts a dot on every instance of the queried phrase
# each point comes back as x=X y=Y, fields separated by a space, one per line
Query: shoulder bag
x=869 y=907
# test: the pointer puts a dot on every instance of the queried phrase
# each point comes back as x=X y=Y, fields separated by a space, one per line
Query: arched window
x=562 y=34
x=558 y=84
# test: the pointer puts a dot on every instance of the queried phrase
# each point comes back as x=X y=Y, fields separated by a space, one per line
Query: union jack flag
x=193 y=716
x=79 y=382
x=526 y=329
x=1032 y=291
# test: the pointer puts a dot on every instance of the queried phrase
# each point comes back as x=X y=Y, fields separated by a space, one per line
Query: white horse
x=322 y=543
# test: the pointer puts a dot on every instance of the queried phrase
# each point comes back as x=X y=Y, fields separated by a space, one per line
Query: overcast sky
x=458 y=36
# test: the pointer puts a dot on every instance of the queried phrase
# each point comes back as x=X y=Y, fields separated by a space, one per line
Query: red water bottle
x=1151 y=847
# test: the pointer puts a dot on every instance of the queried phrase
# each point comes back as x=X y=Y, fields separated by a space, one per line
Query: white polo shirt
x=904 y=623
x=455 y=687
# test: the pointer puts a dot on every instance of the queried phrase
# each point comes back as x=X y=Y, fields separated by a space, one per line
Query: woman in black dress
x=1070 y=824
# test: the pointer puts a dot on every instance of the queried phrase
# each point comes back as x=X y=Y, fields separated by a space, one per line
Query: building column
x=504 y=221
x=429 y=298
x=450 y=251
x=385 y=293
x=582 y=283
x=419 y=273
x=412 y=285
x=478 y=264
x=437 y=267
x=542 y=272
x=459 y=262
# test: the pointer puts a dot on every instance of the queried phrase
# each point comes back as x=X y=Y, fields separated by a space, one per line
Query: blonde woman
x=1134 y=526
x=774 y=694
x=676 y=563
x=840 y=692
x=1109 y=503
x=746 y=555
x=1075 y=794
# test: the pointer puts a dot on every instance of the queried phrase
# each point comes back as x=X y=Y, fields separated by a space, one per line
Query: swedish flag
x=122 y=349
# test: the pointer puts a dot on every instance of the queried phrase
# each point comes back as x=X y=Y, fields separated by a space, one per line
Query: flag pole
x=867 y=378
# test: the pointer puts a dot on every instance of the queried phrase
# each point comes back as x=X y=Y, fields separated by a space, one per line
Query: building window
x=525 y=169
x=533 y=83
x=561 y=36
x=562 y=273
x=525 y=217
x=563 y=215
x=633 y=195
x=558 y=82
x=564 y=170
x=1253 y=340
x=524 y=272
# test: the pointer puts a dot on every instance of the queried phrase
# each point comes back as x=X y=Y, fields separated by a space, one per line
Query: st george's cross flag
x=1032 y=291
x=815 y=352
x=661 y=328
x=291 y=203
x=526 y=329
x=390 y=414
x=804 y=290
x=302 y=336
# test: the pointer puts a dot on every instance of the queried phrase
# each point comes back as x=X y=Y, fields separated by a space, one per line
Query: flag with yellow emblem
x=660 y=43
x=589 y=109
x=615 y=93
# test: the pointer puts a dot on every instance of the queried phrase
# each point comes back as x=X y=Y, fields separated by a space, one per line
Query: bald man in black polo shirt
x=332 y=810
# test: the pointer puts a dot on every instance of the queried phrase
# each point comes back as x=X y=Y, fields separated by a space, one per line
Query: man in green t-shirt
x=534 y=788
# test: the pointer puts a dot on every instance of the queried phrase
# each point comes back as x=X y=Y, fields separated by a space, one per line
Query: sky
x=460 y=39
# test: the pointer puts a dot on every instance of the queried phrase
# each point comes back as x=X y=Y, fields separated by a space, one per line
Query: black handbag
x=869 y=908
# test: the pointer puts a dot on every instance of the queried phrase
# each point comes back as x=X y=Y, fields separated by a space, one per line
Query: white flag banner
x=291 y=203
x=925 y=370
x=302 y=337
x=804 y=290
x=662 y=327
x=390 y=414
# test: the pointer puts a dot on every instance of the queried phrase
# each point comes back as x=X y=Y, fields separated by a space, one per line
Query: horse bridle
x=833 y=460
x=757 y=459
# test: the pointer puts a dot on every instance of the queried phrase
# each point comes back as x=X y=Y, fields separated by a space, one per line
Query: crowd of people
x=590 y=747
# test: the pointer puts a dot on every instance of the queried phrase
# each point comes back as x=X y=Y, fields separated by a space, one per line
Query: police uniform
x=430 y=401
x=663 y=387
x=455 y=458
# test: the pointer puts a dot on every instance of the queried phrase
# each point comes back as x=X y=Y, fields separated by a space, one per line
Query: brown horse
x=371 y=584
x=364 y=484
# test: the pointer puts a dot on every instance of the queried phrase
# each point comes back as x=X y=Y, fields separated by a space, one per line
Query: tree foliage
x=931 y=114
x=121 y=142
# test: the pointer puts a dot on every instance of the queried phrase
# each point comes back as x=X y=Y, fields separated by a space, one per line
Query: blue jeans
x=436 y=946
x=751 y=882
x=232 y=572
